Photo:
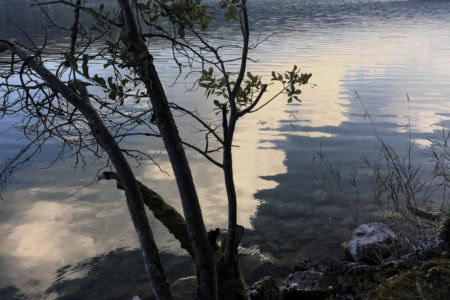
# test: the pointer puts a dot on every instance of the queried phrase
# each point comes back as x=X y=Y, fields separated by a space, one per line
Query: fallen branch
x=427 y=215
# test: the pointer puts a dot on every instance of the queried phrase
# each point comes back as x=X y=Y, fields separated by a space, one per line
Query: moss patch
x=430 y=281
x=230 y=281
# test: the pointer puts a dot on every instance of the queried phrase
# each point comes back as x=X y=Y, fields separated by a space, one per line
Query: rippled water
x=383 y=50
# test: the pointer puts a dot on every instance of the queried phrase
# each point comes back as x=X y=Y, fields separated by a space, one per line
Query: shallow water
x=383 y=50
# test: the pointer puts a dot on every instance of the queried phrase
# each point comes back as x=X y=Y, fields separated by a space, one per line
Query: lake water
x=380 y=50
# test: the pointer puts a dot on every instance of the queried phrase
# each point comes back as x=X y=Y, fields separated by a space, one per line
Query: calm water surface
x=383 y=50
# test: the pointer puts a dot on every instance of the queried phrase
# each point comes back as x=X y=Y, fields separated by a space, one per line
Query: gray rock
x=303 y=285
x=431 y=247
x=184 y=288
x=342 y=285
x=303 y=264
x=344 y=297
x=370 y=243
x=357 y=268
x=254 y=251
x=444 y=231
x=265 y=289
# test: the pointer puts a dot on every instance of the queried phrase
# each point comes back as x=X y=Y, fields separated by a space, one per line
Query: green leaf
x=113 y=94
x=181 y=32
x=99 y=80
x=230 y=14
x=110 y=82
x=85 y=66
x=93 y=13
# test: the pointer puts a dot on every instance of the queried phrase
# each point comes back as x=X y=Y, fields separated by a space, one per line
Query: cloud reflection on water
x=46 y=221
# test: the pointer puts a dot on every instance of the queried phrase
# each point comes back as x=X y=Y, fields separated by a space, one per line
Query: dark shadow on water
x=298 y=218
x=118 y=274
x=11 y=293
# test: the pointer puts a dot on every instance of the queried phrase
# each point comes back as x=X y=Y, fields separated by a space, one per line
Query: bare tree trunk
x=203 y=250
x=74 y=28
x=231 y=247
x=81 y=102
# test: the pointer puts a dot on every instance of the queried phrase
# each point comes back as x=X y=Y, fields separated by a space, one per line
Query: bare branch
x=198 y=119
x=255 y=102
x=79 y=99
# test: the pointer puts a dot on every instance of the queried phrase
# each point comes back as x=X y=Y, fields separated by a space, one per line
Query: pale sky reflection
x=253 y=158
x=46 y=230
x=256 y=155
x=51 y=226
x=376 y=74
x=54 y=223
x=43 y=238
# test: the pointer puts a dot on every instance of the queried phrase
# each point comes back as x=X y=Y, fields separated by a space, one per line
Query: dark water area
x=63 y=235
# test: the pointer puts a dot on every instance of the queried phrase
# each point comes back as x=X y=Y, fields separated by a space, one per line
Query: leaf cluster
x=231 y=8
x=217 y=86
x=291 y=81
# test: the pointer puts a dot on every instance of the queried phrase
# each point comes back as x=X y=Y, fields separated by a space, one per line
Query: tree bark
x=231 y=284
x=136 y=207
x=231 y=246
x=162 y=211
x=203 y=251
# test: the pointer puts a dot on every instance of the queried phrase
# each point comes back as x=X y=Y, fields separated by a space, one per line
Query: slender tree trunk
x=231 y=247
x=74 y=28
x=136 y=207
x=203 y=250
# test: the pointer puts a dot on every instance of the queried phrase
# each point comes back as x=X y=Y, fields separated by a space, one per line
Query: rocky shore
x=376 y=267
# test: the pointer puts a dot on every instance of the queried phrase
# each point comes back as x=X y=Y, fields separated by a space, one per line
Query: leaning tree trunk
x=231 y=284
x=203 y=251
x=79 y=98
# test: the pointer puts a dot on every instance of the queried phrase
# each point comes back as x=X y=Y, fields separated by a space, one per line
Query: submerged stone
x=184 y=288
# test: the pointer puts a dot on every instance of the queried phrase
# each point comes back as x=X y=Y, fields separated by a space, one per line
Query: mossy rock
x=369 y=278
x=184 y=288
x=430 y=281
x=265 y=289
